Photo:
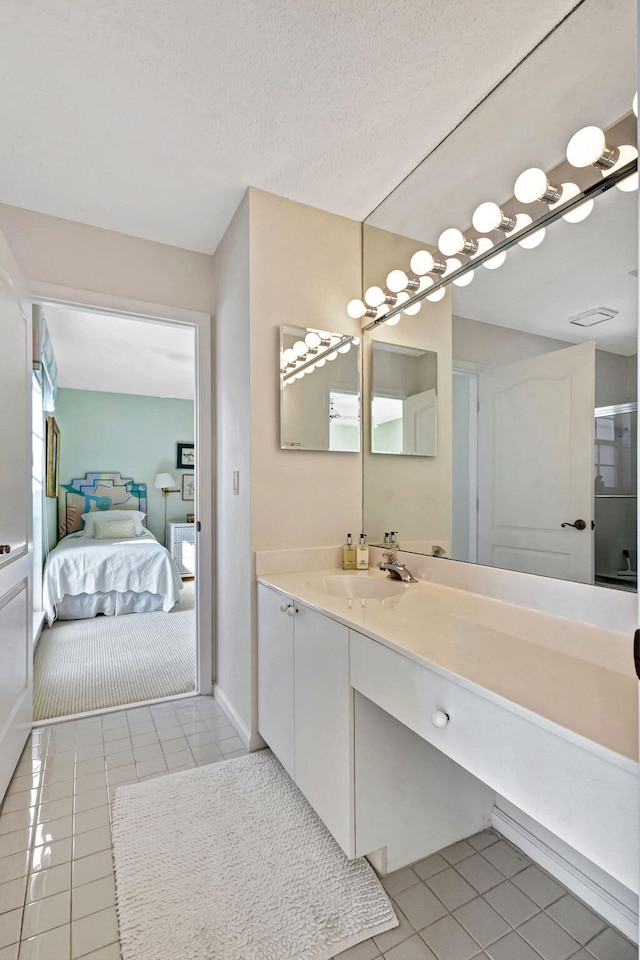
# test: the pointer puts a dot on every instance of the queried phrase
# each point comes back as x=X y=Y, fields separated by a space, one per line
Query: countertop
x=577 y=679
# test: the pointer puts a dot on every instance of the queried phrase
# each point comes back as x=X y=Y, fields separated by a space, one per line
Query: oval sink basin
x=357 y=588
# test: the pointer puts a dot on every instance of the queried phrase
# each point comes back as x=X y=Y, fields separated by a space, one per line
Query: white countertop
x=578 y=677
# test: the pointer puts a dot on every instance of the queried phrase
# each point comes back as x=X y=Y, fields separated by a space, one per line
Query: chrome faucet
x=397 y=570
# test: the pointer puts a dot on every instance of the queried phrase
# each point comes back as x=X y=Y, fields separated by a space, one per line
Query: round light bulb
x=422 y=262
x=425 y=283
x=300 y=375
x=397 y=280
x=465 y=279
x=487 y=217
x=345 y=348
x=451 y=241
x=634 y=105
x=438 y=295
x=374 y=296
x=533 y=240
x=289 y=356
x=323 y=334
x=321 y=362
x=402 y=298
x=356 y=309
x=496 y=261
x=569 y=191
x=586 y=147
x=484 y=244
x=392 y=321
x=413 y=309
x=627 y=154
x=522 y=220
x=383 y=309
x=531 y=185
x=312 y=340
x=300 y=348
x=452 y=264
x=332 y=356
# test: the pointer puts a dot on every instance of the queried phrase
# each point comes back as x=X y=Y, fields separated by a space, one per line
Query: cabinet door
x=275 y=675
x=324 y=722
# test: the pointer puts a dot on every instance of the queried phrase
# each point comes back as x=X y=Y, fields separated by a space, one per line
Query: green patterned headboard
x=97 y=491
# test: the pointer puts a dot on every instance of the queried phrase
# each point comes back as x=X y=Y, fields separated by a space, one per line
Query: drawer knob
x=440 y=718
x=291 y=611
x=284 y=607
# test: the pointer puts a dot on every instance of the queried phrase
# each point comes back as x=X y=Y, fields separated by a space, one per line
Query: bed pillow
x=99 y=515
x=114 y=530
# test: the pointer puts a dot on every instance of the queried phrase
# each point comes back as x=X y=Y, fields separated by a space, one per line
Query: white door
x=15 y=516
x=420 y=424
x=275 y=674
x=535 y=464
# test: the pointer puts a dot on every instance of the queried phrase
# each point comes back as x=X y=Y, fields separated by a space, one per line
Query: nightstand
x=181 y=544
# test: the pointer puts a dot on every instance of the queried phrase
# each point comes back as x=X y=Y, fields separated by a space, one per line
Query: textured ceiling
x=152 y=118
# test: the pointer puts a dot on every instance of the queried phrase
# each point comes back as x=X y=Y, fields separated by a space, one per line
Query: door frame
x=74 y=298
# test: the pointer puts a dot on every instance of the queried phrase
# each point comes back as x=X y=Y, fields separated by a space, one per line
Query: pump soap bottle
x=349 y=554
x=362 y=562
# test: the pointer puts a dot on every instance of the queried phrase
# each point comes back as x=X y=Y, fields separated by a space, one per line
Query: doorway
x=130 y=416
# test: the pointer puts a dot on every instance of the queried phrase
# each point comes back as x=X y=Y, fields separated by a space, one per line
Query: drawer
x=584 y=798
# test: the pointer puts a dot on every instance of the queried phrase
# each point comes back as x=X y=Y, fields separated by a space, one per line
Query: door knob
x=439 y=718
x=5 y=548
x=578 y=524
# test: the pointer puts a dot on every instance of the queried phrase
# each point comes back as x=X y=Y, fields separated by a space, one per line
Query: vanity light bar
x=588 y=147
x=342 y=345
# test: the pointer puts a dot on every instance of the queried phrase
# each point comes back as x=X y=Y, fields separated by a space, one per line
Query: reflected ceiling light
x=345 y=347
x=533 y=185
x=484 y=244
x=312 y=340
x=425 y=283
x=402 y=298
x=438 y=295
x=464 y=280
x=289 y=356
x=391 y=322
x=374 y=296
x=356 y=309
x=489 y=216
x=589 y=148
x=627 y=153
x=300 y=348
x=496 y=261
x=452 y=264
x=397 y=281
x=453 y=241
x=522 y=220
x=383 y=309
x=424 y=262
x=533 y=240
x=300 y=375
x=413 y=309
x=332 y=356
x=321 y=362
x=569 y=191
x=634 y=105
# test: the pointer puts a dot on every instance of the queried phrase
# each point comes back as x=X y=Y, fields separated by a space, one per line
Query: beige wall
x=305 y=267
x=409 y=494
x=68 y=254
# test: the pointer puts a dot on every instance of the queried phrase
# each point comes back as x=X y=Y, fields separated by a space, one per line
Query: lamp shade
x=163 y=480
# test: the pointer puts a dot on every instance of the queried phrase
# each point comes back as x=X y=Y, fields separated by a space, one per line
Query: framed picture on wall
x=188 y=487
x=186 y=456
x=53 y=457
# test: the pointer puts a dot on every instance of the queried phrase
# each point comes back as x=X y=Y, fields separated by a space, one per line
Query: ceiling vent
x=591 y=317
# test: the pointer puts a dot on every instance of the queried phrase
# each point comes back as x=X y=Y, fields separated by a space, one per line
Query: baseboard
x=603 y=893
x=252 y=741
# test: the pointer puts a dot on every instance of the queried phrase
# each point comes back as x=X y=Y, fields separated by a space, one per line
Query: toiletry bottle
x=387 y=539
x=362 y=562
x=394 y=540
x=349 y=554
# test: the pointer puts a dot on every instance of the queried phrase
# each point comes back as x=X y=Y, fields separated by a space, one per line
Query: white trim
x=252 y=741
x=123 y=706
x=204 y=472
x=603 y=893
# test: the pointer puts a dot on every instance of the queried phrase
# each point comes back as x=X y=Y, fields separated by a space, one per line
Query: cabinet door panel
x=275 y=675
x=324 y=722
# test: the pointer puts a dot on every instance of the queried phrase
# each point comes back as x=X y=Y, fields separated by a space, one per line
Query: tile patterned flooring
x=479 y=898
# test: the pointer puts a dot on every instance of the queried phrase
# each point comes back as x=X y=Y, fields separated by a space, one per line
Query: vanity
x=411 y=716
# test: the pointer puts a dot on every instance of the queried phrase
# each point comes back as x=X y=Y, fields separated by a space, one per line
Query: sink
x=357 y=587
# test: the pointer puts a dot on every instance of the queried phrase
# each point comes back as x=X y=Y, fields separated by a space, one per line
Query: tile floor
x=480 y=898
x=57 y=891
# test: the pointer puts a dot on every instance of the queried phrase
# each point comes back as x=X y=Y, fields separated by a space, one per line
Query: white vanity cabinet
x=305 y=705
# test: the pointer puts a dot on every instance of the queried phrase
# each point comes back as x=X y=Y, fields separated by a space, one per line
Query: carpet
x=82 y=665
x=230 y=862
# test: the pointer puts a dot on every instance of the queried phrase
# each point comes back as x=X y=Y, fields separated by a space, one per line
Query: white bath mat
x=229 y=862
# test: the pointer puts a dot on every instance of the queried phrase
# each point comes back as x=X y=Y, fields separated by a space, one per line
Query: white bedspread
x=80 y=564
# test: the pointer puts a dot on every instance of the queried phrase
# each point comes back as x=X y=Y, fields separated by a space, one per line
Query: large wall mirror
x=536 y=351
x=319 y=390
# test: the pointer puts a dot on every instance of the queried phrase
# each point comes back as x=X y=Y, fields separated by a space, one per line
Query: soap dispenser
x=362 y=562
x=349 y=554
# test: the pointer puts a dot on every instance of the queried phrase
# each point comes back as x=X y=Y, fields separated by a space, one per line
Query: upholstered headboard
x=97 y=491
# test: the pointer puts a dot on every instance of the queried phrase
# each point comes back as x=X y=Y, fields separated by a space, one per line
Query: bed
x=91 y=571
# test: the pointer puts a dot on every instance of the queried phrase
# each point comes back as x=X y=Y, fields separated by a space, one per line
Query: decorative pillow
x=114 y=530
x=99 y=515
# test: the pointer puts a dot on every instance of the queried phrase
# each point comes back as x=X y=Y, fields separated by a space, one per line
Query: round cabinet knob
x=291 y=611
x=439 y=718
x=284 y=607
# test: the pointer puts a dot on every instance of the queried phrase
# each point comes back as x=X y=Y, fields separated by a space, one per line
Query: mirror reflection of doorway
x=118 y=558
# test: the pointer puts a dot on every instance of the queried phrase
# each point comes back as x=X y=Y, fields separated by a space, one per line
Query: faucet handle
x=390 y=555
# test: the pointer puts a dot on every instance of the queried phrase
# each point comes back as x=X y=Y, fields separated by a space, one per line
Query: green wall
x=133 y=435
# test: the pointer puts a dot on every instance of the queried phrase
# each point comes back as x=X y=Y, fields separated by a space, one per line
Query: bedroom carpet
x=83 y=665
x=229 y=861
